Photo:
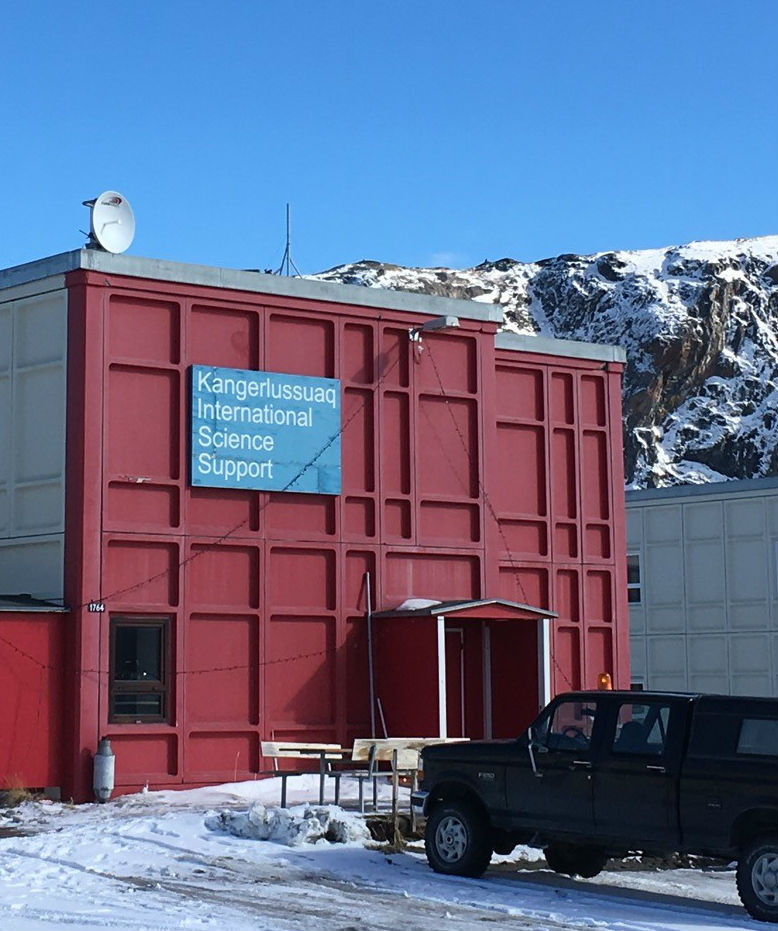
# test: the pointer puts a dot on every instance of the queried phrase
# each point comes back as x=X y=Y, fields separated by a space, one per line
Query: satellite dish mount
x=112 y=223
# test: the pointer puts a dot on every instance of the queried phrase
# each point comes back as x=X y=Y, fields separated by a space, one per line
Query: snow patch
x=302 y=824
x=415 y=604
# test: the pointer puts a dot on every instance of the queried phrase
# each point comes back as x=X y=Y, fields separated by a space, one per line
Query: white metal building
x=703 y=568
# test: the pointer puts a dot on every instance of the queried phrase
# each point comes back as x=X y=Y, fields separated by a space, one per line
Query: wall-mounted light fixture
x=437 y=323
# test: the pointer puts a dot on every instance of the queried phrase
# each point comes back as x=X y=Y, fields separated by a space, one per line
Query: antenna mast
x=287 y=262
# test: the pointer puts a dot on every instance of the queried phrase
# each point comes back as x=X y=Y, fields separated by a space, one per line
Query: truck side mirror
x=535 y=744
x=532 y=746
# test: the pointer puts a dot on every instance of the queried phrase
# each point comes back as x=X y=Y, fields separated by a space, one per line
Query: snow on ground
x=192 y=860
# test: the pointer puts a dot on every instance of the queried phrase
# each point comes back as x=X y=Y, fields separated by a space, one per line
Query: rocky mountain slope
x=700 y=326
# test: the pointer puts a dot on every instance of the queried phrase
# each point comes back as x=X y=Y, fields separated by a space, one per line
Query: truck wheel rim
x=451 y=839
x=764 y=878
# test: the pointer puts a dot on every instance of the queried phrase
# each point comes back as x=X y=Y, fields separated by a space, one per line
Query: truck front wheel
x=757 y=879
x=457 y=839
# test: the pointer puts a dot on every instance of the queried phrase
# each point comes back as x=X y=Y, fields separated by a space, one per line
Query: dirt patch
x=10 y=830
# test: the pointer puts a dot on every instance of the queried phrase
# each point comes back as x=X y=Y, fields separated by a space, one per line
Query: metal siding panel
x=751 y=665
x=705 y=577
x=666 y=662
x=703 y=520
x=747 y=573
x=32 y=443
x=744 y=518
x=34 y=565
x=663 y=524
x=664 y=582
x=634 y=528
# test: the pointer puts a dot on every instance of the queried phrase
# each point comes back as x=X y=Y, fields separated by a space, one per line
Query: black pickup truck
x=607 y=773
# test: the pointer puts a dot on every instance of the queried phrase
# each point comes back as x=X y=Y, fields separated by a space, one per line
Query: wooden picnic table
x=293 y=750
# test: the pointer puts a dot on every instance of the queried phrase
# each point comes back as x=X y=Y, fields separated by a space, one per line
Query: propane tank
x=104 y=761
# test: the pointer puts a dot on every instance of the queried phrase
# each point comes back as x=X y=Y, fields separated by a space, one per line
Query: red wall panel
x=221 y=667
x=299 y=672
x=430 y=576
x=467 y=473
x=562 y=466
x=141 y=572
x=132 y=506
x=216 y=511
x=224 y=755
x=447 y=452
x=300 y=346
x=223 y=575
x=358 y=441
x=396 y=460
x=144 y=413
x=143 y=328
x=447 y=364
x=227 y=338
x=143 y=759
x=301 y=578
x=32 y=720
x=358 y=363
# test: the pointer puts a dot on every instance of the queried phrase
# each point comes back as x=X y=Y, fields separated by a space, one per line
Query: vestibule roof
x=485 y=608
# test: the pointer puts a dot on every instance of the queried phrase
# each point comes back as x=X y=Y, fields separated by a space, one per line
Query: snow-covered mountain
x=700 y=326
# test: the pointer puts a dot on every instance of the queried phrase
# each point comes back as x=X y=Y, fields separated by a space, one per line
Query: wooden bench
x=325 y=754
x=402 y=754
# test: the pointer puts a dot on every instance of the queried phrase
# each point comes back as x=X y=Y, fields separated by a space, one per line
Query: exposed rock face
x=700 y=326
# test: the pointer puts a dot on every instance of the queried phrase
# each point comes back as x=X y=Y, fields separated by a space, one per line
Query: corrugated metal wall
x=706 y=619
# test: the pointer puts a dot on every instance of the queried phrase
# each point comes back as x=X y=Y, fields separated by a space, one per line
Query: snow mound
x=302 y=824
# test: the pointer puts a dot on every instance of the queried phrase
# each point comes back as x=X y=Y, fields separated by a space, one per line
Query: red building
x=481 y=472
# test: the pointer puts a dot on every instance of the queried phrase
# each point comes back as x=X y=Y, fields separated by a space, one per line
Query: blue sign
x=267 y=431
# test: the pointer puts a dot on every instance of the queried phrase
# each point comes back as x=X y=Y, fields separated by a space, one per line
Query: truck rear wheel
x=456 y=839
x=575 y=860
x=757 y=879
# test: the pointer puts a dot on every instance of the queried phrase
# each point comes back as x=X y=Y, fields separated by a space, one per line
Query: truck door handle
x=581 y=764
x=656 y=769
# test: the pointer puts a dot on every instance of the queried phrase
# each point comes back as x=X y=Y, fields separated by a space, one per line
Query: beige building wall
x=33 y=385
x=704 y=615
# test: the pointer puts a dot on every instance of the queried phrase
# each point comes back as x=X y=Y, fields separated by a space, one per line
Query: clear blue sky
x=425 y=132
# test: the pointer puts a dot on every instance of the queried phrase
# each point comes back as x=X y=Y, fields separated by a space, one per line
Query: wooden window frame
x=162 y=686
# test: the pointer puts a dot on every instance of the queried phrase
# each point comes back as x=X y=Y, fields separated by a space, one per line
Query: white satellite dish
x=112 y=224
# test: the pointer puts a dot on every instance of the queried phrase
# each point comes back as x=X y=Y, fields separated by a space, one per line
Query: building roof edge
x=252 y=281
x=551 y=346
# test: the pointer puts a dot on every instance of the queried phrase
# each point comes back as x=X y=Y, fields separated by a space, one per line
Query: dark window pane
x=571 y=728
x=138 y=654
x=633 y=569
x=138 y=705
x=758 y=737
x=641 y=729
x=633 y=595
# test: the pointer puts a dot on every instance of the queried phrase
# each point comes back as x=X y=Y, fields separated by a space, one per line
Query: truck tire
x=575 y=860
x=456 y=839
x=757 y=878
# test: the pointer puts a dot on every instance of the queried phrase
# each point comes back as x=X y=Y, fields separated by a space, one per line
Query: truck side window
x=571 y=726
x=758 y=737
x=641 y=729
